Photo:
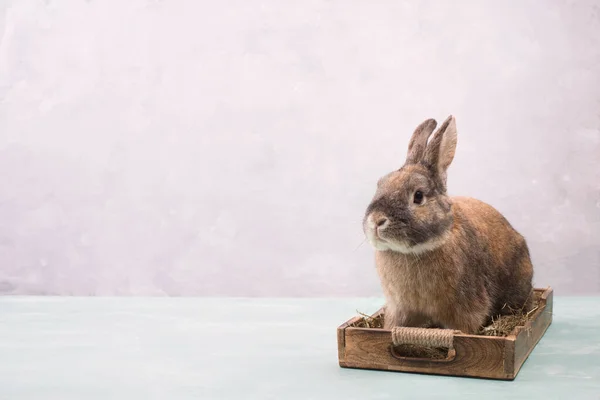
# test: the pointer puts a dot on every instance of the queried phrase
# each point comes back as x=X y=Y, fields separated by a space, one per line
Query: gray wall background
x=230 y=148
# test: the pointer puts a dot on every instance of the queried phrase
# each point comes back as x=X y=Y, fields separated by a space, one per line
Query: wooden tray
x=470 y=355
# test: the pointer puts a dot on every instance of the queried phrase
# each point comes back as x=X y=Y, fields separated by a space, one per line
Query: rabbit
x=445 y=262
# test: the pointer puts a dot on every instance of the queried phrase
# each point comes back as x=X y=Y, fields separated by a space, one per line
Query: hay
x=368 y=321
x=501 y=325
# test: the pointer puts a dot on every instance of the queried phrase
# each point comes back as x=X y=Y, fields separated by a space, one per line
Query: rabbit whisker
x=361 y=243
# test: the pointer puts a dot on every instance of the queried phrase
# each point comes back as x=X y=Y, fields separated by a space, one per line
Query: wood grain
x=529 y=335
x=341 y=339
x=474 y=355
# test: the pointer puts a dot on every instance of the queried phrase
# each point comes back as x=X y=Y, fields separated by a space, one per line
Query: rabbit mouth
x=394 y=238
x=375 y=239
x=380 y=241
x=383 y=233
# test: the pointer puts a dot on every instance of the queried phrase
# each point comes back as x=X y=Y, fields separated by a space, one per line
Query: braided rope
x=423 y=337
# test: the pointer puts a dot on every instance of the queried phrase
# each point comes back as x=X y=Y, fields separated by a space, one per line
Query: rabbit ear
x=441 y=148
x=418 y=141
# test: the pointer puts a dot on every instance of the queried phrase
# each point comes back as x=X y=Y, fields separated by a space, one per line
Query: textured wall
x=230 y=148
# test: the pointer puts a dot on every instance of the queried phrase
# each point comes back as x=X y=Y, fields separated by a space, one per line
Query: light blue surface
x=195 y=348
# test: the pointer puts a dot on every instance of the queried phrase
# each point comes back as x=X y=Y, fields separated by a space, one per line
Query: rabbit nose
x=382 y=222
x=378 y=221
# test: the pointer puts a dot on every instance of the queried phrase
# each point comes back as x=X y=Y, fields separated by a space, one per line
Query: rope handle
x=428 y=337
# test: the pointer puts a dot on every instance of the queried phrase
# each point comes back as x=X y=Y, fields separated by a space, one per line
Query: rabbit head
x=411 y=211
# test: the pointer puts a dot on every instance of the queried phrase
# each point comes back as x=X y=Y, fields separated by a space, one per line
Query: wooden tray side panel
x=341 y=338
x=475 y=356
x=528 y=336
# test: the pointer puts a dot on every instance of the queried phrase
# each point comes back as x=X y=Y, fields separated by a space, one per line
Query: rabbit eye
x=418 y=199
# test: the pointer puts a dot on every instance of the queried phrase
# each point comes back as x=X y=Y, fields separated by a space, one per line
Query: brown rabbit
x=450 y=262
